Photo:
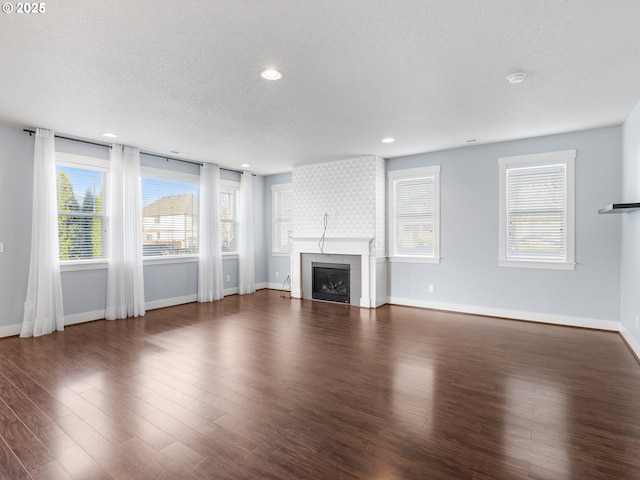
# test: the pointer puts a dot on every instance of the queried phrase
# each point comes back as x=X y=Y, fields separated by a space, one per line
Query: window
x=537 y=210
x=282 y=212
x=169 y=213
x=82 y=221
x=229 y=193
x=414 y=214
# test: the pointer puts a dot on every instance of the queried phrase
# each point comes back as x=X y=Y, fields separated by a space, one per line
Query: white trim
x=630 y=340
x=77 y=265
x=230 y=255
x=280 y=254
x=170 y=302
x=230 y=291
x=163 y=260
x=537 y=264
x=262 y=285
x=583 y=322
x=84 y=317
x=393 y=175
x=11 y=330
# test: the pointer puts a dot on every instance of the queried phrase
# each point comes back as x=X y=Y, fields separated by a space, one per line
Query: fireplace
x=331 y=281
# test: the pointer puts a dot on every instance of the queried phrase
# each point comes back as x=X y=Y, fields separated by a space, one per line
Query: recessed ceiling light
x=516 y=77
x=388 y=140
x=245 y=165
x=471 y=140
x=110 y=135
x=271 y=74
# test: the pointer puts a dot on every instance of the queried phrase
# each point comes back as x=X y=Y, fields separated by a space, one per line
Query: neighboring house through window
x=169 y=213
x=537 y=210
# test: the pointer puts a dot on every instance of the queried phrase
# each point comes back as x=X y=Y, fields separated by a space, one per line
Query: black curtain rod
x=106 y=145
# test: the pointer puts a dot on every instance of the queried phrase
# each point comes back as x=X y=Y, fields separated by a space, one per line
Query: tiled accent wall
x=351 y=192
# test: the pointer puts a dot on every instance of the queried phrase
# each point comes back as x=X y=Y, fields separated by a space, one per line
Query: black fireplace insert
x=331 y=281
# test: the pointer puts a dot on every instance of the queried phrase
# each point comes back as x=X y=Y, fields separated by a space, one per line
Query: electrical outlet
x=430 y=288
x=1 y=247
x=277 y=274
x=228 y=278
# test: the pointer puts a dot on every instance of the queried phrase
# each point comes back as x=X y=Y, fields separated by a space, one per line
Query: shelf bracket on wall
x=620 y=208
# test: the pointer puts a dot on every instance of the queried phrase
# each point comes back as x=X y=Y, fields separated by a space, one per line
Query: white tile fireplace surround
x=368 y=274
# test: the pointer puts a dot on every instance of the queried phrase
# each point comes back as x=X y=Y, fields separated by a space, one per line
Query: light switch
x=1 y=247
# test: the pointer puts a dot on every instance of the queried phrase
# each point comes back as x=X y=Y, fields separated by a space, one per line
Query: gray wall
x=630 y=254
x=275 y=263
x=16 y=186
x=469 y=275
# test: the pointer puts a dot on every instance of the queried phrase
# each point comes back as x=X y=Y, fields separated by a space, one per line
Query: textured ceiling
x=168 y=75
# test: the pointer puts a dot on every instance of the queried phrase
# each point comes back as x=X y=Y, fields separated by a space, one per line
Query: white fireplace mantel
x=336 y=246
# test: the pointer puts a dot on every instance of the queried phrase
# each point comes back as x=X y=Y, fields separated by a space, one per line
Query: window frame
x=234 y=185
x=564 y=157
x=172 y=176
x=85 y=162
x=407 y=174
x=275 y=191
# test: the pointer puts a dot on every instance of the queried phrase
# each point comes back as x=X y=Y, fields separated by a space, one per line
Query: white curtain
x=43 y=312
x=210 y=254
x=246 y=274
x=125 y=282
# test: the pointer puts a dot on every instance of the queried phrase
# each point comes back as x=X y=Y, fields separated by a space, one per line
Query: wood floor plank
x=25 y=445
x=261 y=387
x=40 y=424
x=10 y=466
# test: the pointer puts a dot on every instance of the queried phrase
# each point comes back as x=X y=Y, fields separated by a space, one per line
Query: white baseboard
x=83 y=317
x=583 y=322
x=170 y=302
x=379 y=301
x=630 y=340
x=10 y=330
x=230 y=291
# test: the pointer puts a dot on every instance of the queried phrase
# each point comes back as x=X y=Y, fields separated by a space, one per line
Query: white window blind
x=536 y=213
x=229 y=218
x=82 y=222
x=169 y=217
x=537 y=210
x=415 y=213
x=282 y=205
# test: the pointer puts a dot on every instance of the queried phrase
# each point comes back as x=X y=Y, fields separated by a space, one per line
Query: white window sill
x=537 y=264
x=163 y=260
x=78 y=265
x=230 y=255
x=280 y=254
x=434 y=260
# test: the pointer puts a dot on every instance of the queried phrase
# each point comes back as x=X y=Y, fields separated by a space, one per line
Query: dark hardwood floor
x=261 y=387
